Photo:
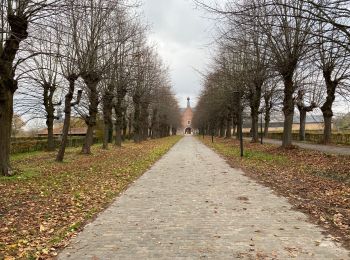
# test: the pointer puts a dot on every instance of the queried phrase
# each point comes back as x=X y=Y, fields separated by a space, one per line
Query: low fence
x=32 y=144
x=337 y=138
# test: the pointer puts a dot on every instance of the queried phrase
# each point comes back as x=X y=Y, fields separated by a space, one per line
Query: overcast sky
x=182 y=36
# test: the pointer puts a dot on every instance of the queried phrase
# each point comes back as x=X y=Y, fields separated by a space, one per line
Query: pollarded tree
x=147 y=70
x=211 y=112
x=246 y=31
x=334 y=63
x=70 y=70
x=154 y=81
x=272 y=95
x=40 y=88
x=165 y=111
x=232 y=77
x=309 y=95
x=285 y=24
x=115 y=86
x=285 y=27
x=126 y=69
x=15 y=19
x=224 y=62
x=94 y=53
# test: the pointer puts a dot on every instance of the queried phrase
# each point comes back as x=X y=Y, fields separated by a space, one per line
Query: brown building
x=186 y=120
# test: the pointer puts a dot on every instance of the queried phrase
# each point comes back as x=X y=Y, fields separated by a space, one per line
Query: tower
x=187 y=116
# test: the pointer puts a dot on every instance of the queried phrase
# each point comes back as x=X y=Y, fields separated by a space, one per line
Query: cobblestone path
x=192 y=205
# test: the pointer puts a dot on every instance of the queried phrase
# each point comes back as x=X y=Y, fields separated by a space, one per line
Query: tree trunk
x=268 y=107
x=327 y=106
x=137 y=123
x=255 y=127
x=6 y=114
x=288 y=110
x=229 y=124
x=110 y=133
x=327 y=129
x=49 y=91
x=237 y=119
x=234 y=124
x=302 y=111
x=155 y=124
x=107 y=117
x=144 y=121
x=222 y=127
x=125 y=126
x=91 y=81
x=8 y=85
x=302 y=125
x=267 y=125
x=164 y=127
x=130 y=126
x=105 y=136
x=174 y=131
x=118 y=126
x=168 y=130
x=254 y=103
x=89 y=140
x=50 y=135
x=119 y=120
x=67 y=116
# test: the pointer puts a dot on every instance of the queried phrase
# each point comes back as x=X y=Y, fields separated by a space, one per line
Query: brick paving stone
x=192 y=205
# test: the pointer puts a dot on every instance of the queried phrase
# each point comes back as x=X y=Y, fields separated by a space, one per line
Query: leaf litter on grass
x=315 y=183
x=48 y=202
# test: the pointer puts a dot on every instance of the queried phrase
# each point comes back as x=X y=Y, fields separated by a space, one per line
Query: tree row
x=90 y=58
x=276 y=56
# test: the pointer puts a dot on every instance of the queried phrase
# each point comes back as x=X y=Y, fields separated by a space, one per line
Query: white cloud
x=181 y=34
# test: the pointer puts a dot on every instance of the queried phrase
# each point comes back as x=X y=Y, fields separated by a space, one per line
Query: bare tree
x=15 y=18
x=272 y=98
x=125 y=73
x=70 y=71
x=284 y=29
x=43 y=84
x=288 y=40
x=142 y=87
x=94 y=53
x=252 y=41
x=116 y=83
x=334 y=63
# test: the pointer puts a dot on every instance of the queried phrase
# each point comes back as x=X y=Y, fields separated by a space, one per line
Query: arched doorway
x=188 y=131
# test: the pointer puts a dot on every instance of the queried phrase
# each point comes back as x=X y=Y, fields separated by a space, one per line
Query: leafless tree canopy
x=276 y=53
x=83 y=58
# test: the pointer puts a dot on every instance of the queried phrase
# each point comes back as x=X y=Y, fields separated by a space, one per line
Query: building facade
x=186 y=120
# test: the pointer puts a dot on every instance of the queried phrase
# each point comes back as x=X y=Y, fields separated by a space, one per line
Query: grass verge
x=44 y=205
x=317 y=184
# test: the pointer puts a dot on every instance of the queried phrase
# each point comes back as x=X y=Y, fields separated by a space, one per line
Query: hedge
x=337 y=138
x=24 y=145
